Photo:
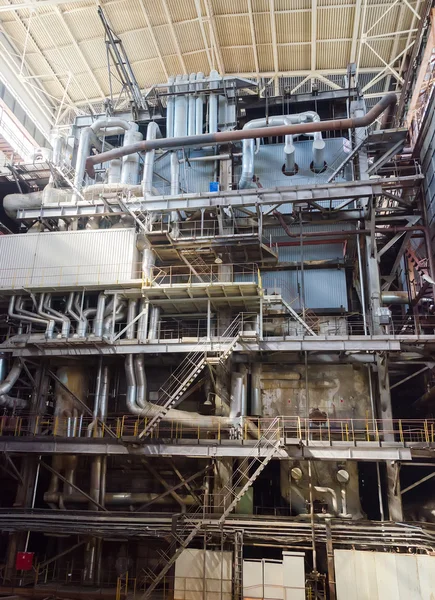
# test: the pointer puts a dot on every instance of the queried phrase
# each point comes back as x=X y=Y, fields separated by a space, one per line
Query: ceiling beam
x=153 y=37
x=355 y=31
x=273 y=32
x=381 y=74
x=198 y=8
x=313 y=34
x=254 y=43
x=60 y=15
x=214 y=37
x=408 y=41
x=174 y=36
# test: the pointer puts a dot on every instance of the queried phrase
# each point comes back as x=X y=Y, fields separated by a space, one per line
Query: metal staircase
x=185 y=374
x=310 y=322
x=243 y=478
x=198 y=266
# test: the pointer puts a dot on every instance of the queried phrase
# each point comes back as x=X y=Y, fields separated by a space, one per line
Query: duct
x=141 y=381
x=398 y=297
x=212 y=139
x=236 y=406
x=327 y=490
x=175 y=174
x=57 y=316
x=213 y=102
x=170 y=107
x=153 y=132
x=104 y=395
x=212 y=158
x=130 y=163
x=109 y=321
x=27 y=316
x=274 y=121
x=99 y=317
x=81 y=322
x=47 y=315
x=148 y=262
x=131 y=315
x=113 y=173
x=318 y=153
x=199 y=108
x=256 y=405
x=111 y=123
x=6 y=384
x=289 y=151
x=191 y=124
x=111 y=190
x=88 y=136
x=188 y=419
x=180 y=110
x=154 y=323
x=13 y=202
x=142 y=328
x=58 y=144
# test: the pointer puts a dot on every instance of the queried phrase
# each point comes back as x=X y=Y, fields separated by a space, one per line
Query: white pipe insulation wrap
x=199 y=111
x=289 y=151
x=131 y=162
x=327 y=490
x=180 y=112
x=7 y=384
x=170 y=107
x=153 y=132
x=213 y=106
x=274 y=121
x=191 y=123
x=89 y=135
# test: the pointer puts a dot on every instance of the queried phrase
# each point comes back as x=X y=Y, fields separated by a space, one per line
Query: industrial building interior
x=217 y=309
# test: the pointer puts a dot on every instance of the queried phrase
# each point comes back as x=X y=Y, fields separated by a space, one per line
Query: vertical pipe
x=180 y=113
x=131 y=315
x=199 y=110
x=361 y=281
x=170 y=107
x=130 y=163
x=191 y=122
x=213 y=103
x=142 y=328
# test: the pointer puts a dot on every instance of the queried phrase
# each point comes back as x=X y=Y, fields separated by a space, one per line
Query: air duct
x=153 y=132
x=224 y=137
x=7 y=384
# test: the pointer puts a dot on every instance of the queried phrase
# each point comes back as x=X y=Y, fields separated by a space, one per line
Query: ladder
x=67 y=174
x=238 y=566
x=246 y=473
x=139 y=218
x=185 y=374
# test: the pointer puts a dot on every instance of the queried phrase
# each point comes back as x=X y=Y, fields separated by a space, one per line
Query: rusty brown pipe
x=224 y=137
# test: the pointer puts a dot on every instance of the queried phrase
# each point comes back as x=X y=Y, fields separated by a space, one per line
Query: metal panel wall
x=275 y=580
x=324 y=289
x=68 y=258
x=193 y=569
x=383 y=576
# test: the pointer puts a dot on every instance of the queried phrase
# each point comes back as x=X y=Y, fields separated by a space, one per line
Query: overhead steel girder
x=309 y=344
x=207 y=449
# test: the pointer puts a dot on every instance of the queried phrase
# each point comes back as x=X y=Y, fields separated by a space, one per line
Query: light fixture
x=218 y=260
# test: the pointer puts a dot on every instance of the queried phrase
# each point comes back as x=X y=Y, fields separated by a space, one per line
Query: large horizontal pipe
x=117 y=498
x=224 y=137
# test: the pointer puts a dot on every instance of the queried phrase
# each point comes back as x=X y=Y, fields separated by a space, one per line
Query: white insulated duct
x=213 y=106
x=191 y=123
x=131 y=162
x=277 y=121
x=199 y=111
x=153 y=132
x=7 y=384
x=170 y=107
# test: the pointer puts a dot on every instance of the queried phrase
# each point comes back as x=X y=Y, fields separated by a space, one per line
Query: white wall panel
x=190 y=568
x=275 y=580
x=383 y=576
x=68 y=258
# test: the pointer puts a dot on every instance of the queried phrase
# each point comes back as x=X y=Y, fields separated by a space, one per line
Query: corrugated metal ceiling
x=64 y=41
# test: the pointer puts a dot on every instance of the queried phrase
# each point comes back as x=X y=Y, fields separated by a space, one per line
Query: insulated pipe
x=318 y=153
x=113 y=173
x=170 y=107
x=99 y=317
x=289 y=151
x=148 y=262
x=120 y=313
x=118 y=498
x=180 y=112
x=142 y=328
x=188 y=419
x=130 y=163
x=278 y=120
x=7 y=384
x=131 y=314
x=58 y=316
x=327 y=490
x=211 y=139
x=213 y=103
x=141 y=381
x=42 y=312
x=154 y=323
x=395 y=297
x=191 y=123
x=27 y=316
x=153 y=132
x=199 y=108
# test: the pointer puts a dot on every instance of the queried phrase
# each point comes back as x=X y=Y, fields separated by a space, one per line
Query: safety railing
x=207 y=273
x=243 y=429
x=204 y=228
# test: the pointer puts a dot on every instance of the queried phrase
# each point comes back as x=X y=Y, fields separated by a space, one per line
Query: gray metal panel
x=318 y=252
x=325 y=289
x=68 y=258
